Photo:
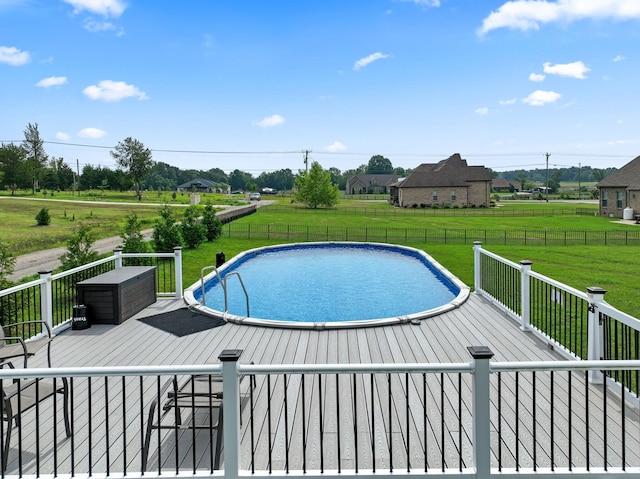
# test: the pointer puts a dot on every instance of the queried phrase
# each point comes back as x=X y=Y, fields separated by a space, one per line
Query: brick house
x=450 y=182
x=369 y=184
x=620 y=190
x=502 y=185
x=199 y=185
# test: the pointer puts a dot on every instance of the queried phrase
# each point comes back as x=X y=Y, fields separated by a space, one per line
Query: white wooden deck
x=442 y=339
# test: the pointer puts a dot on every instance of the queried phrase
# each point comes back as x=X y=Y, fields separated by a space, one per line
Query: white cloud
x=91 y=133
x=511 y=101
x=106 y=8
x=51 y=81
x=572 y=70
x=335 y=147
x=482 y=111
x=618 y=58
x=424 y=3
x=96 y=27
x=363 y=62
x=109 y=90
x=541 y=97
x=621 y=142
x=537 y=77
x=62 y=136
x=530 y=14
x=270 y=121
x=13 y=56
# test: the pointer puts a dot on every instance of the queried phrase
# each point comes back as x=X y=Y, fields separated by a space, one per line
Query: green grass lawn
x=611 y=267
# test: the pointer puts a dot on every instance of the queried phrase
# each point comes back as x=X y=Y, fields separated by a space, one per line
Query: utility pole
x=579 y=168
x=306 y=160
x=77 y=176
x=547 y=187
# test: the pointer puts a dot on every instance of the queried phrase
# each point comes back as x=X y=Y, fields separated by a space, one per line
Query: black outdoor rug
x=182 y=322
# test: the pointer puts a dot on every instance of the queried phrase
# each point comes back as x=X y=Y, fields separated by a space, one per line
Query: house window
x=605 y=195
x=619 y=199
x=434 y=196
x=453 y=195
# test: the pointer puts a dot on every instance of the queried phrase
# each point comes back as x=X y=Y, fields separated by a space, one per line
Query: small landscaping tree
x=314 y=188
x=212 y=223
x=79 y=250
x=166 y=234
x=133 y=240
x=7 y=263
x=43 y=218
x=193 y=231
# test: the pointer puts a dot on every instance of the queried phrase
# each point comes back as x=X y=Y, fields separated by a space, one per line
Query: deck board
x=441 y=339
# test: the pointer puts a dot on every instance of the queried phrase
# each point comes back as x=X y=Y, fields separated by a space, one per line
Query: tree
x=133 y=241
x=132 y=157
x=166 y=234
x=36 y=156
x=212 y=223
x=43 y=218
x=193 y=231
x=378 y=164
x=314 y=188
x=13 y=160
x=7 y=263
x=79 y=250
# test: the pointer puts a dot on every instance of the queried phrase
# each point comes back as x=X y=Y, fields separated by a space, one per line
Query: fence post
x=231 y=412
x=594 y=331
x=46 y=297
x=481 y=410
x=477 y=282
x=177 y=251
x=117 y=253
x=525 y=294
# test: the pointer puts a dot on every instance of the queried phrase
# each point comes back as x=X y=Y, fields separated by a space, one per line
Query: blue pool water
x=329 y=282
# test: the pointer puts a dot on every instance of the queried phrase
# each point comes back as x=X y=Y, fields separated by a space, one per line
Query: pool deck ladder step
x=223 y=282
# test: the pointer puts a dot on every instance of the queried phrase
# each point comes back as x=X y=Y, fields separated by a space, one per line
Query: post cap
x=596 y=290
x=480 y=352
x=230 y=355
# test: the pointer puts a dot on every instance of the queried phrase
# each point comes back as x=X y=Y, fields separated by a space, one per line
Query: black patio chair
x=197 y=392
x=19 y=396
x=22 y=340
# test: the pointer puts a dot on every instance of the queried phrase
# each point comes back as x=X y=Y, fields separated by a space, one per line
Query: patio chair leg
x=219 y=436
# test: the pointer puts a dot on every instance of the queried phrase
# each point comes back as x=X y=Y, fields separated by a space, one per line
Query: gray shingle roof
x=453 y=171
x=626 y=176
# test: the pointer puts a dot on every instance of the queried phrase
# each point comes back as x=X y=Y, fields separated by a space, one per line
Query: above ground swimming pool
x=328 y=285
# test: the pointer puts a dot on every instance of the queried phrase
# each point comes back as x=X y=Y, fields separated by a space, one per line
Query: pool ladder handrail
x=223 y=283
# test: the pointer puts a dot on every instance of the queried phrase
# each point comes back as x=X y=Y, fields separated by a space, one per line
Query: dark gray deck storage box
x=116 y=295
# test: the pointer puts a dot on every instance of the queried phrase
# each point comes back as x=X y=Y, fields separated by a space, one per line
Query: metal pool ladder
x=223 y=283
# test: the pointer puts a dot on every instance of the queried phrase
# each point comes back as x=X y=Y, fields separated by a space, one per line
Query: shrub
x=166 y=234
x=434 y=206
x=133 y=240
x=7 y=263
x=43 y=218
x=212 y=223
x=193 y=231
x=79 y=250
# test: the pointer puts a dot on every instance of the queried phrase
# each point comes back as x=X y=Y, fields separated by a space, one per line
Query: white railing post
x=118 y=258
x=177 y=251
x=594 y=331
x=477 y=273
x=481 y=411
x=525 y=294
x=231 y=412
x=46 y=298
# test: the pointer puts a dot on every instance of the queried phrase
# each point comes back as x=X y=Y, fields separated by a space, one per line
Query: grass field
x=611 y=267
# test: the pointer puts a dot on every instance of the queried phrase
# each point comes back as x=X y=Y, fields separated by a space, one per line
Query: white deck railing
x=582 y=325
x=499 y=419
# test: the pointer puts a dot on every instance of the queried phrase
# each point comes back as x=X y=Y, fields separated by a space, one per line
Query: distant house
x=620 y=190
x=369 y=184
x=450 y=182
x=199 y=185
x=502 y=185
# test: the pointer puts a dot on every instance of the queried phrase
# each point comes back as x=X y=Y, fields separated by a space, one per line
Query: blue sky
x=250 y=84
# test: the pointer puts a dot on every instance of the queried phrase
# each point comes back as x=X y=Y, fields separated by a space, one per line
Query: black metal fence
x=533 y=237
